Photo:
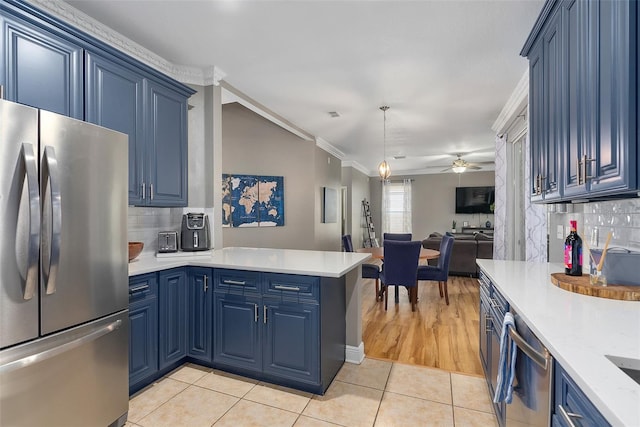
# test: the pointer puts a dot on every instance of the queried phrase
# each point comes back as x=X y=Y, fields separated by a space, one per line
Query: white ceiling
x=446 y=68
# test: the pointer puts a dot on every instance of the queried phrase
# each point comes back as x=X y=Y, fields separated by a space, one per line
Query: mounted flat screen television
x=471 y=200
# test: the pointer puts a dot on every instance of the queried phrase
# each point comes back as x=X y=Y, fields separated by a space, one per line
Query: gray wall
x=255 y=146
x=357 y=186
x=433 y=201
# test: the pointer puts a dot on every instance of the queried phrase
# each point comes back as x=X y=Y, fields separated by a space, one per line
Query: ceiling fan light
x=384 y=170
x=459 y=169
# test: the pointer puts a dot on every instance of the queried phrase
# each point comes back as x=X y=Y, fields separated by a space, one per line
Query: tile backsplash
x=144 y=224
x=595 y=221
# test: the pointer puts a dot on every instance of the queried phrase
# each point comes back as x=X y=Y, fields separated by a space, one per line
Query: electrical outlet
x=560 y=232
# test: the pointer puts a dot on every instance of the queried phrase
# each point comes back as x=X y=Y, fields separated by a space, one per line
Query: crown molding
x=326 y=146
x=67 y=13
x=514 y=105
x=357 y=166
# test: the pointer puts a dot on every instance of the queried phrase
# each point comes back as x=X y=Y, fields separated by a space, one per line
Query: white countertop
x=578 y=330
x=291 y=261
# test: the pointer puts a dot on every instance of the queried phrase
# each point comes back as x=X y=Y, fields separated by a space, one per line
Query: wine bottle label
x=567 y=256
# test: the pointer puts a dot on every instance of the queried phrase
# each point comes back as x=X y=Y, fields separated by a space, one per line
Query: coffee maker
x=195 y=232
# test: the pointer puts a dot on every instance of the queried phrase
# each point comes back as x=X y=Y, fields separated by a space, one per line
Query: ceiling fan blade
x=473 y=167
x=446 y=169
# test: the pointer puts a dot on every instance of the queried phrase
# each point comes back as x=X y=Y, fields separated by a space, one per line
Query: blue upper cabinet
x=114 y=99
x=48 y=64
x=40 y=68
x=609 y=163
x=583 y=80
x=166 y=128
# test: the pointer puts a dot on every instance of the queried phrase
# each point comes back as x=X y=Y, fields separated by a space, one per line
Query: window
x=396 y=207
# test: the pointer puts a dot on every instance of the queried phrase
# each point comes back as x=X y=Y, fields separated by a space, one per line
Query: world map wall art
x=252 y=201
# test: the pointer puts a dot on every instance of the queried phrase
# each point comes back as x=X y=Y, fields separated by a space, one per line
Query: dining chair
x=400 y=268
x=403 y=237
x=440 y=272
x=369 y=271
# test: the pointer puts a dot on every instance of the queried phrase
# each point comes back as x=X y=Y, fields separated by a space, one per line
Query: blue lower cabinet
x=572 y=407
x=292 y=340
x=143 y=332
x=200 y=304
x=237 y=337
x=172 y=334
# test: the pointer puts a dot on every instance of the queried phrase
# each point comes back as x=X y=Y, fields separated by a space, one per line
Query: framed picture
x=329 y=205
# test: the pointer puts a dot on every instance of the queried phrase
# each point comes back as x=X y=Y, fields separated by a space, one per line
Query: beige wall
x=357 y=186
x=433 y=201
x=255 y=146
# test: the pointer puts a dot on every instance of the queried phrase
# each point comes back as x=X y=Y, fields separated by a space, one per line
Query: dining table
x=378 y=253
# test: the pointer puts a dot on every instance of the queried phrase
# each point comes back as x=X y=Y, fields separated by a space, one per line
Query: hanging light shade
x=383 y=168
x=459 y=169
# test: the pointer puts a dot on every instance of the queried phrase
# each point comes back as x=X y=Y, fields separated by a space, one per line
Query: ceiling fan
x=460 y=165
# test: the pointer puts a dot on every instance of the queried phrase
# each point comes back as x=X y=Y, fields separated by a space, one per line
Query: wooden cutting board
x=580 y=285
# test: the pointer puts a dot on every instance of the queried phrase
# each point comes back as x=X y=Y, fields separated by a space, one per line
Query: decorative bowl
x=134 y=249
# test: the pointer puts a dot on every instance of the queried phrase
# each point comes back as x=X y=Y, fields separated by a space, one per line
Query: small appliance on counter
x=167 y=241
x=195 y=232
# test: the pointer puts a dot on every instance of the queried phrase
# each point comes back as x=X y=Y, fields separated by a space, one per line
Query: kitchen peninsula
x=284 y=316
x=582 y=333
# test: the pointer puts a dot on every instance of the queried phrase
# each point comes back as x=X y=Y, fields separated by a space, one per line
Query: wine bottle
x=573 y=252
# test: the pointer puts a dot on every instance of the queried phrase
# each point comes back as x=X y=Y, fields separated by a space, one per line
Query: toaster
x=195 y=232
x=167 y=241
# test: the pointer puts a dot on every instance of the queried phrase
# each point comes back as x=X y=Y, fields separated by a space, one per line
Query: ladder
x=369 y=236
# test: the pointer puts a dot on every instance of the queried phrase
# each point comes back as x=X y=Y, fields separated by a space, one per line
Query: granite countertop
x=290 y=261
x=578 y=330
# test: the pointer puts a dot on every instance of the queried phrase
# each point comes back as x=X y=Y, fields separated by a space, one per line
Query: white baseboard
x=354 y=354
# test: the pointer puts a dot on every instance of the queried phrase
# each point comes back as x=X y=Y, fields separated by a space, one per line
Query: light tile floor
x=374 y=393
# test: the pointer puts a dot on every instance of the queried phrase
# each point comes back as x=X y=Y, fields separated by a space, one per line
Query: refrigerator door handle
x=50 y=176
x=24 y=361
x=31 y=172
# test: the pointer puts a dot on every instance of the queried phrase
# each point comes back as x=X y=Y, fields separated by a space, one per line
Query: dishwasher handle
x=541 y=359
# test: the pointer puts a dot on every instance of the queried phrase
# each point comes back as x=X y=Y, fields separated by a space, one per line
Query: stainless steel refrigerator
x=63 y=275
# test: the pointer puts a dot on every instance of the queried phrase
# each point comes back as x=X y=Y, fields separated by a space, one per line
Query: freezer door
x=19 y=223
x=84 y=222
x=79 y=377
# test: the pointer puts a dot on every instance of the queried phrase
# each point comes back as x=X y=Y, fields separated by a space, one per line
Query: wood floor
x=437 y=335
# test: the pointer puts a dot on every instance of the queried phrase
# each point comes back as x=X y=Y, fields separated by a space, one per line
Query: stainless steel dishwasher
x=532 y=387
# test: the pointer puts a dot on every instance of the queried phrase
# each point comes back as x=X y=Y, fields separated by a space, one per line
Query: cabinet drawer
x=574 y=401
x=292 y=286
x=236 y=281
x=143 y=286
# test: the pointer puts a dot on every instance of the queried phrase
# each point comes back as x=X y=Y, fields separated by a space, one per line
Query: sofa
x=466 y=249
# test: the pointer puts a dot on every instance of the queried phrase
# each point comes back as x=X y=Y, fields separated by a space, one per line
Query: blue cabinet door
x=166 y=145
x=552 y=106
x=484 y=335
x=238 y=337
x=113 y=99
x=611 y=159
x=143 y=340
x=292 y=340
x=172 y=337
x=200 y=306
x=536 y=130
x=143 y=330
x=41 y=69
x=577 y=407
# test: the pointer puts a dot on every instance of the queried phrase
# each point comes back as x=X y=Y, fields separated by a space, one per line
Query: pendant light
x=383 y=168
